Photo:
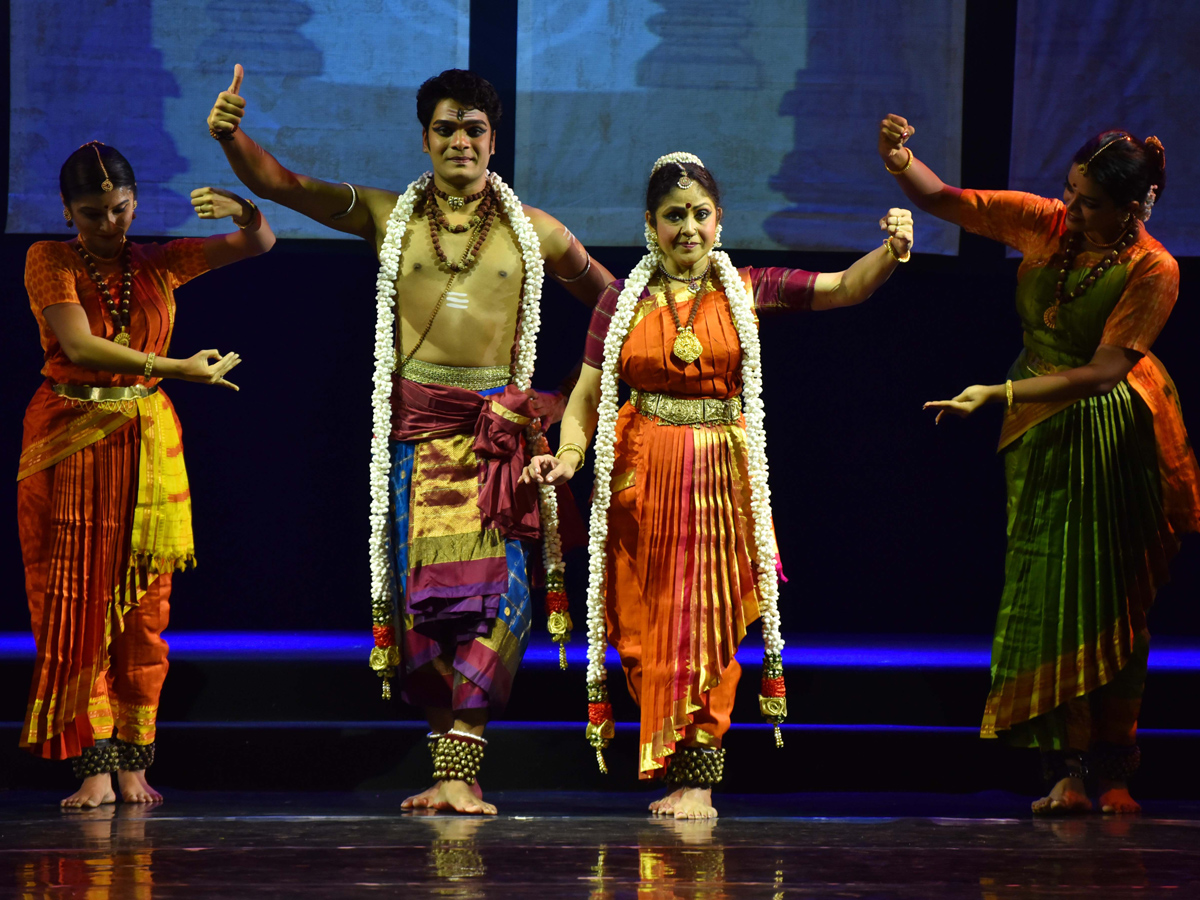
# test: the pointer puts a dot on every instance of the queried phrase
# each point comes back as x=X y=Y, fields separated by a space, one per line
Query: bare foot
x=452 y=795
x=1067 y=798
x=96 y=789
x=696 y=803
x=1115 y=799
x=666 y=805
x=135 y=788
x=424 y=800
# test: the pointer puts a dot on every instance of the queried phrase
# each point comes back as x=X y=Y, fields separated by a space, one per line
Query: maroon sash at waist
x=498 y=421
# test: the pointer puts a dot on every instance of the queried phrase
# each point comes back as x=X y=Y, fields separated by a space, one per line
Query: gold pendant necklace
x=687 y=347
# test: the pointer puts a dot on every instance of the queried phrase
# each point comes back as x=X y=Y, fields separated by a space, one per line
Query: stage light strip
x=802 y=651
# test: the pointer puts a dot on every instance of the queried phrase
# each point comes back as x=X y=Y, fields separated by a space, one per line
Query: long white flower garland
x=528 y=326
x=741 y=305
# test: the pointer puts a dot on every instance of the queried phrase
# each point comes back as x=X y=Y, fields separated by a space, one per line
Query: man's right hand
x=227 y=112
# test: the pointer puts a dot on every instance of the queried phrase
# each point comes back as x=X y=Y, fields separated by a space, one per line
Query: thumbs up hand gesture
x=226 y=115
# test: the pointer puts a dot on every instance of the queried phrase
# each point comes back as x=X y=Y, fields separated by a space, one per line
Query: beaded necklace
x=118 y=312
x=1050 y=316
x=457 y=203
x=483 y=219
x=687 y=347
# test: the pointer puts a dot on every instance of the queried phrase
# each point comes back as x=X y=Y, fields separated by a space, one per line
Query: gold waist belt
x=85 y=392
x=470 y=378
x=687 y=410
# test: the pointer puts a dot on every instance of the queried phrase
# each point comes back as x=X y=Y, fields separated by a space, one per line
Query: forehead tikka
x=1083 y=166
x=684 y=182
x=106 y=185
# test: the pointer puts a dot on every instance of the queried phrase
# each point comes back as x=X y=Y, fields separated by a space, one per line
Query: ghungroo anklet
x=698 y=767
x=1060 y=764
x=134 y=757
x=457 y=756
x=96 y=760
x=1116 y=762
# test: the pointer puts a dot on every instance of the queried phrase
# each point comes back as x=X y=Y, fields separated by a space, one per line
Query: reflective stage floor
x=205 y=845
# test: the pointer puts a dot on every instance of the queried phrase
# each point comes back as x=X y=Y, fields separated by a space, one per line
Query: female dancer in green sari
x=1101 y=479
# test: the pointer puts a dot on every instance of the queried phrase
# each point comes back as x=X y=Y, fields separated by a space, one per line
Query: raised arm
x=919 y=182
x=576 y=431
x=567 y=260
x=855 y=284
x=338 y=206
x=253 y=237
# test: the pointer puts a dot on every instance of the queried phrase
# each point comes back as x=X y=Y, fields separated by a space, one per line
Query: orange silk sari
x=681 y=586
x=103 y=510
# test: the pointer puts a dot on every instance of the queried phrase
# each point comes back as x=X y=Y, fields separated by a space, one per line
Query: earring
x=67 y=216
x=717 y=241
x=651 y=238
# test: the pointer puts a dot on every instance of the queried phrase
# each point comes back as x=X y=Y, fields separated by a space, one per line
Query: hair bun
x=1154 y=145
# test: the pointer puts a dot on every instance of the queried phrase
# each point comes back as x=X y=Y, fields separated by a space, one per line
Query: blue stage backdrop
x=329 y=86
x=1081 y=69
x=780 y=99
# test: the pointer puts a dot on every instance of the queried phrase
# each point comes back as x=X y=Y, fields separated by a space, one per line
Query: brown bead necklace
x=484 y=216
x=457 y=203
x=1070 y=251
x=687 y=347
x=118 y=311
x=482 y=220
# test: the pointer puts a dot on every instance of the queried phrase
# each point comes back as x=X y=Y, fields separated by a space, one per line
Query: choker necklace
x=695 y=282
x=456 y=203
x=687 y=347
x=118 y=312
x=484 y=218
x=105 y=259
x=1050 y=316
x=1112 y=243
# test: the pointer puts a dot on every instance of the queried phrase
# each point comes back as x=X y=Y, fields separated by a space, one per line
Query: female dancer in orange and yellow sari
x=683 y=557
x=1101 y=476
x=103 y=506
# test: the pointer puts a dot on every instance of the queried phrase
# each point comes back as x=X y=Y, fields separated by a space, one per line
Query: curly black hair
x=463 y=87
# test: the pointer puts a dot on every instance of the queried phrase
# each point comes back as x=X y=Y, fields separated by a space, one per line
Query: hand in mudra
x=894 y=130
x=547 y=469
x=964 y=404
x=216 y=203
x=898 y=224
x=226 y=114
x=201 y=368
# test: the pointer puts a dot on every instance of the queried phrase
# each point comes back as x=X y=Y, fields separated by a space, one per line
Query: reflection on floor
x=597 y=846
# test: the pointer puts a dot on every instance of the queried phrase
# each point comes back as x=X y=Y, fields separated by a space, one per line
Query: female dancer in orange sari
x=682 y=554
x=103 y=506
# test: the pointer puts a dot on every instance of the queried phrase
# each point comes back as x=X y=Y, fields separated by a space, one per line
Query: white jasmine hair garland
x=385 y=656
x=772 y=700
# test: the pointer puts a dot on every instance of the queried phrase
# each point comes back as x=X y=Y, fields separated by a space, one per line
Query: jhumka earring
x=717 y=241
x=67 y=216
x=651 y=238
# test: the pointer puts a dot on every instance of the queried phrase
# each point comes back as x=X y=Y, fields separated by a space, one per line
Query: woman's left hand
x=218 y=203
x=547 y=469
x=898 y=223
x=968 y=401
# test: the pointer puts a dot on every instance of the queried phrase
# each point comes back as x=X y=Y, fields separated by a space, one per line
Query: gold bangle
x=149 y=370
x=892 y=171
x=578 y=449
x=253 y=215
x=221 y=136
x=1008 y=393
x=887 y=242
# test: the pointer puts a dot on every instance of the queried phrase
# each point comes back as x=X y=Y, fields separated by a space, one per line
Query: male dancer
x=459 y=515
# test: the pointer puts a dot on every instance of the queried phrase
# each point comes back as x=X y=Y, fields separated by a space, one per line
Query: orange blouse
x=55 y=273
